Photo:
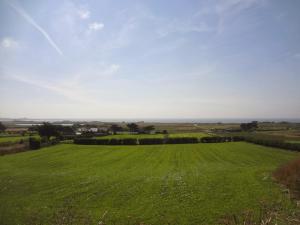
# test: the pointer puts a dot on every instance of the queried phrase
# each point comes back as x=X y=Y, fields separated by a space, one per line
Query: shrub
x=34 y=143
x=54 y=141
x=181 y=140
x=151 y=141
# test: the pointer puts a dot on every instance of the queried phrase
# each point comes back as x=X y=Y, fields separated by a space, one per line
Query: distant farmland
x=159 y=184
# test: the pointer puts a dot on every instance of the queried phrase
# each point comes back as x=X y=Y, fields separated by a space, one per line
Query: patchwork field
x=159 y=184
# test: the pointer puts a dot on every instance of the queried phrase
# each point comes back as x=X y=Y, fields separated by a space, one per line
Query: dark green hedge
x=182 y=140
x=155 y=141
x=113 y=141
x=274 y=143
x=102 y=141
x=86 y=141
x=151 y=141
x=215 y=139
x=129 y=141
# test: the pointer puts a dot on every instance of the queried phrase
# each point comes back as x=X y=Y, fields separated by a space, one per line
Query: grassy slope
x=198 y=135
x=187 y=184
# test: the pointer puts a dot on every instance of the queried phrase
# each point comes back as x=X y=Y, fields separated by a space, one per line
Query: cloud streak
x=30 y=20
x=74 y=92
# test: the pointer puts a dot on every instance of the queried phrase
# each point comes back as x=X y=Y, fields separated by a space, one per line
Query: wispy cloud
x=9 y=42
x=30 y=20
x=73 y=92
x=183 y=28
x=228 y=8
x=96 y=26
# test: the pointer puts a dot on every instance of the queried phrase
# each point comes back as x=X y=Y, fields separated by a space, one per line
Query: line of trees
x=131 y=127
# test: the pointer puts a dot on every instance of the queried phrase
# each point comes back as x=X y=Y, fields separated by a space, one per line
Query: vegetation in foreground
x=289 y=176
x=159 y=184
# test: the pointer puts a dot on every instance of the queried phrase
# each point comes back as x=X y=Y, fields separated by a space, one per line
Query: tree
x=249 y=126
x=48 y=130
x=114 y=128
x=149 y=128
x=2 y=127
x=65 y=130
x=133 y=127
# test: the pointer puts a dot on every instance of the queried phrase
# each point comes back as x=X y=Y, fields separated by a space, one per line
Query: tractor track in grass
x=156 y=184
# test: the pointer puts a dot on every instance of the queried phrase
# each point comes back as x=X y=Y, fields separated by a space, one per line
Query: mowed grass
x=139 y=136
x=159 y=184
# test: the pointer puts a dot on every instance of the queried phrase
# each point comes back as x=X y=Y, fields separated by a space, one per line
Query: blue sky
x=150 y=59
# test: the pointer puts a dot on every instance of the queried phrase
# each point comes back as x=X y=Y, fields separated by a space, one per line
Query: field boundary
x=156 y=141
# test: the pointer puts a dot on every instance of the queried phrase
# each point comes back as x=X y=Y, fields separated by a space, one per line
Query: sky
x=150 y=59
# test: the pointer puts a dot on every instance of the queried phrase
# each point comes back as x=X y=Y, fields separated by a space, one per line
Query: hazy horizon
x=154 y=120
x=150 y=59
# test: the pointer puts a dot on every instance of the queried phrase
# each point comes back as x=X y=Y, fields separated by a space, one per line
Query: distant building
x=93 y=129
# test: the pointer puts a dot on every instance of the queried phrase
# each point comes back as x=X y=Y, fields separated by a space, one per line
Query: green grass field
x=121 y=136
x=159 y=184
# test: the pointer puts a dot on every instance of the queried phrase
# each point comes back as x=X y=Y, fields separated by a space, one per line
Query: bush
x=34 y=143
x=151 y=141
x=54 y=141
x=182 y=140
